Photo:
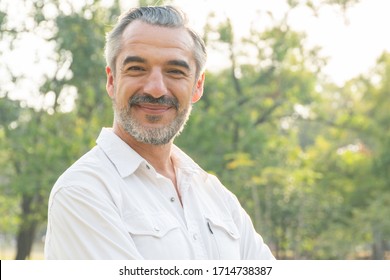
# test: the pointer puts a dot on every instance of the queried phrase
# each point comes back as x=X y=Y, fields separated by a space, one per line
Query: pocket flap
x=226 y=224
x=156 y=225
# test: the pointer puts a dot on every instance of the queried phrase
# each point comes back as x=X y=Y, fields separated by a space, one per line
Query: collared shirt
x=112 y=204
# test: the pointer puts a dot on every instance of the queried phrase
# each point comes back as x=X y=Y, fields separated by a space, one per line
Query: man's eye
x=176 y=72
x=135 y=68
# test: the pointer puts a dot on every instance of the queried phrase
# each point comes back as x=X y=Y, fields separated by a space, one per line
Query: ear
x=198 y=92
x=110 y=82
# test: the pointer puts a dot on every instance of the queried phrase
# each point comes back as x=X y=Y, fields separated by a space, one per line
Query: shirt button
x=147 y=166
x=172 y=199
x=156 y=228
x=195 y=236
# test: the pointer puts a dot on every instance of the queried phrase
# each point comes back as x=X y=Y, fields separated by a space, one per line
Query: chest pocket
x=156 y=236
x=226 y=237
x=153 y=225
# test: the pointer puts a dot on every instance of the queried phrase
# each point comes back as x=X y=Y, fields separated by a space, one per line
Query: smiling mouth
x=153 y=105
x=154 y=109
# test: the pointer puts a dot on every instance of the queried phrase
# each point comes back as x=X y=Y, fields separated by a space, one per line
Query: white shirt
x=112 y=204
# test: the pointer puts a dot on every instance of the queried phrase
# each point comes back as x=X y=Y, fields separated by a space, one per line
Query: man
x=136 y=195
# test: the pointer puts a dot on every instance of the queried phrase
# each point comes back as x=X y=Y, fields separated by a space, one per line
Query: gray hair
x=166 y=16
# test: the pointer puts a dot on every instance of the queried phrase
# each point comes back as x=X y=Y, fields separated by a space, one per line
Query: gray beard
x=153 y=136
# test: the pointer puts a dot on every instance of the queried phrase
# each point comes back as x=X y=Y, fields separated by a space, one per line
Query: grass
x=9 y=252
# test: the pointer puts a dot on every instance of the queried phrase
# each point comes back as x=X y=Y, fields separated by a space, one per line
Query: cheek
x=121 y=94
x=184 y=94
x=119 y=101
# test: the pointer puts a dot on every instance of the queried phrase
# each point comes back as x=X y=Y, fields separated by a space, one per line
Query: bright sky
x=353 y=47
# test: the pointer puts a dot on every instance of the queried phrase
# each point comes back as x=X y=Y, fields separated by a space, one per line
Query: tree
x=375 y=137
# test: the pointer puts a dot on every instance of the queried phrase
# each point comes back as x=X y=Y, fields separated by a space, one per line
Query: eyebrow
x=180 y=63
x=174 y=62
x=130 y=59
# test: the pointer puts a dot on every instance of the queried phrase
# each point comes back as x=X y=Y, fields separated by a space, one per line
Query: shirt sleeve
x=253 y=246
x=85 y=224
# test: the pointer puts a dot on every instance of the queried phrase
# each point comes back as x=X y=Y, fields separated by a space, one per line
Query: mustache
x=146 y=98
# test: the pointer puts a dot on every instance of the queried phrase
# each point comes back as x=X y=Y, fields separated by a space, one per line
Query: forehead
x=139 y=35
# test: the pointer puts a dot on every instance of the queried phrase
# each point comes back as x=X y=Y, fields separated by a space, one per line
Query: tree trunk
x=378 y=246
x=27 y=229
x=256 y=208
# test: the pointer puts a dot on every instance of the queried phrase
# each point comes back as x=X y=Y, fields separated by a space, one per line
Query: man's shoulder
x=91 y=169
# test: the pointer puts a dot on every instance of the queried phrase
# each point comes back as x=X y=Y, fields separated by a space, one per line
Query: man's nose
x=155 y=84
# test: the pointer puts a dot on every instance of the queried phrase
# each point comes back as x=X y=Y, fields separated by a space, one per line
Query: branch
x=264 y=117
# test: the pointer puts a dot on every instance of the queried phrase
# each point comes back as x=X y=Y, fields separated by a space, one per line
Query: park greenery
x=308 y=159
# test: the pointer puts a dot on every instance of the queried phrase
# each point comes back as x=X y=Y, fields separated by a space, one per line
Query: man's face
x=155 y=82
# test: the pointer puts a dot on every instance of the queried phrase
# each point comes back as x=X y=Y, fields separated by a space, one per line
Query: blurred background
x=295 y=118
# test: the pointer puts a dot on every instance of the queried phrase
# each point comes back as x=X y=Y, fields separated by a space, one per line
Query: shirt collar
x=183 y=162
x=127 y=161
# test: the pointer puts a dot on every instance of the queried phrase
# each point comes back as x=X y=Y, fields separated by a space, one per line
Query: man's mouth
x=153 y=108
x=154 y=105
